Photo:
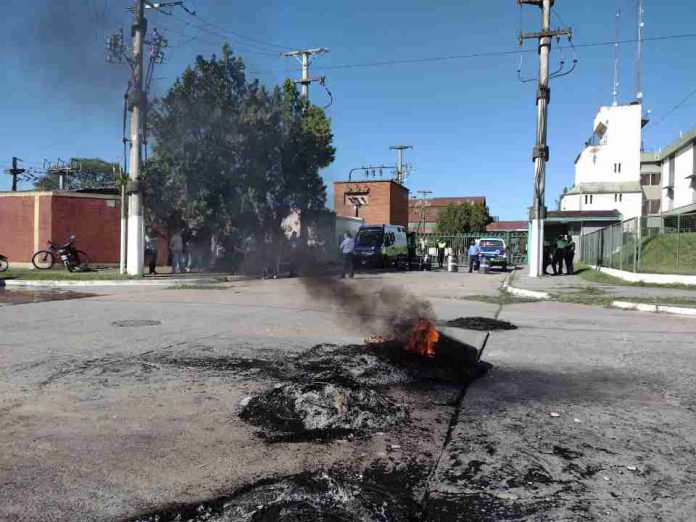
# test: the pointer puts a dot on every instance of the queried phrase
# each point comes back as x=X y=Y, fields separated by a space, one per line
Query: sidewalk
x=575 y=289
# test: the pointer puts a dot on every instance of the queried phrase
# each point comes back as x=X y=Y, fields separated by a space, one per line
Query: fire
x=423 y=339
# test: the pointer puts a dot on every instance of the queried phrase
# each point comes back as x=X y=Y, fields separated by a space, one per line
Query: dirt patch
x=17 y=297
x=298 y=412
x=483 y=324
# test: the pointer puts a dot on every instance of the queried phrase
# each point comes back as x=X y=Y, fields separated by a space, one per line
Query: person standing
x=559 y=256
x=347 y=249
x=548 y=259
x=151 y=251
x=441 y=253
x=176 y=245
x=474 y=251
x=569 y=255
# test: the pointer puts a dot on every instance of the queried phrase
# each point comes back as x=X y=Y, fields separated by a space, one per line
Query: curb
x=521 y=292
x=656 y=309
x=53 y=283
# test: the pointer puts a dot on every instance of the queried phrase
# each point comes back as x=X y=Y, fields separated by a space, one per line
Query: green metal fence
x=459 y=243
x=649 y=244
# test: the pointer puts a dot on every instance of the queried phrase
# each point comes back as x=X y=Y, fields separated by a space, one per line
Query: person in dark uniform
x=548 y=259
x=441 y=253
x=569 y=255
x=559 y=255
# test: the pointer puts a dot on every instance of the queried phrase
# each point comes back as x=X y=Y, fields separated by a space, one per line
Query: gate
x=459 y=243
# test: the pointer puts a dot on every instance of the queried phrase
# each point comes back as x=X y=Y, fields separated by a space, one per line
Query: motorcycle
x=73 y=259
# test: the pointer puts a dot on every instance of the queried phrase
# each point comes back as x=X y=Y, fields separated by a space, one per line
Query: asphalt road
x=115 y=404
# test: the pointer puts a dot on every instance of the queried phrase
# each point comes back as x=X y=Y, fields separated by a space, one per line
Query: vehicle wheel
x=84 y=259
x=43 y=260
x=503 y=267
x=4 y=265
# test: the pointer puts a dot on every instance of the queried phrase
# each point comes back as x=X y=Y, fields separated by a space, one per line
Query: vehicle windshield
x=491 y=244
x=370 y=237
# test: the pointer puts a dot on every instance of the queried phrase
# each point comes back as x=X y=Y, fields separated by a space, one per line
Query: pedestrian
x=294 y=254
x=569 y=255
x=474 y=251
x=176 y=245
x=548 y=259
x=151 y=251
x=441 y=246
x=559 y=255
x=347 y=249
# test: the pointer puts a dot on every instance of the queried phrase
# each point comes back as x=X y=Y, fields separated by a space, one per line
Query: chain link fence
x=649 y=244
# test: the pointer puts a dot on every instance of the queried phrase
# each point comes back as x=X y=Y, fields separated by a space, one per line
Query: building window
x=585 y=199
x=617 y=168
x=616 y=198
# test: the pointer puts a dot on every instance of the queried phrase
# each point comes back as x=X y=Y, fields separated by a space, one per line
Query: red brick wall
x=387 y=202
x=17 y=227
x=93 y=221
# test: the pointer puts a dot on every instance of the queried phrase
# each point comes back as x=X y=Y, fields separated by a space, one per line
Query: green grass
x=60 y=274
x=591 y=275
x=606 y=300
x=659 y=254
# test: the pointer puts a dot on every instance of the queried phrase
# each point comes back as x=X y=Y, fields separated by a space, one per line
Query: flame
x=423 y=339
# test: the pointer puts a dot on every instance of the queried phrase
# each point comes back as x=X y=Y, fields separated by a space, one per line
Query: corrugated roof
x=444 y=202
x=607 y=187
x=588 y=214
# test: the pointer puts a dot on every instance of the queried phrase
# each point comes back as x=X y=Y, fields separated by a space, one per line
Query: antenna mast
x=639 y=52
x=617 y=60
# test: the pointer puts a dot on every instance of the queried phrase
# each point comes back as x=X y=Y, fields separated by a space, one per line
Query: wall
x=94 y=220
x=630 y=206
x=621 y=144
x=683 y=166
x=17 y=227
x=385 y=202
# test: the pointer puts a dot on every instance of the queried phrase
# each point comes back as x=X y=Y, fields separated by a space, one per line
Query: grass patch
x=669 y=254
x=594 y=276
x=57 y=274
x=503 y=298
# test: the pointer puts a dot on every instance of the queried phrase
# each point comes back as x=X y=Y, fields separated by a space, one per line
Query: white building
x=608 y=170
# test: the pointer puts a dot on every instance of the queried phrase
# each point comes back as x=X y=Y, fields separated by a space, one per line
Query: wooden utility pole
x=541 y=149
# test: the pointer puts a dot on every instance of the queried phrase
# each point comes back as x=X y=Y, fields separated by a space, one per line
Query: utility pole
x=122 y=182
x=423 y=210
x=617 y=61
x=14 y=172
x=136 y=225
x=639 y=52
x=541 y=150
x=304 y=57
x=400 y=161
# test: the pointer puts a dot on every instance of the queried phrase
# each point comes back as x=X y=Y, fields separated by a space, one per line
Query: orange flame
x=423 y=339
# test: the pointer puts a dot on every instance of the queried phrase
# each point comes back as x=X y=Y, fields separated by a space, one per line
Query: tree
x=232 y=158
x=463 y=218
x=92 y=173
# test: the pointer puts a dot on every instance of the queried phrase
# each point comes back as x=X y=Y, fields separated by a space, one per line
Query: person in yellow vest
x=441 y=246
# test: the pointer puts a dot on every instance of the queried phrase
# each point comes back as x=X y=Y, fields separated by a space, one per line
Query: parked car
x=381 y=246
x=495 y=250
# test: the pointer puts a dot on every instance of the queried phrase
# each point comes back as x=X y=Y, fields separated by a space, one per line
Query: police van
x=381 y=246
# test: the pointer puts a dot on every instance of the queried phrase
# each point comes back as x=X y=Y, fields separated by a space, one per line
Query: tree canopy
x=231 y=157
x=463 y=218
x=92 y=173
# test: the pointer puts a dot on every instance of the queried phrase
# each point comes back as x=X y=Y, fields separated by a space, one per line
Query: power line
x=674 y=109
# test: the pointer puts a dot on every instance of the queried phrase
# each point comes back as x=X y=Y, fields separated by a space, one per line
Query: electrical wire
x=674 y=109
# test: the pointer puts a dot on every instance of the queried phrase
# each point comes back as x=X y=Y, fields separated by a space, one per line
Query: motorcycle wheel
x=43 y=260
x=4 y=265
x=84 y=259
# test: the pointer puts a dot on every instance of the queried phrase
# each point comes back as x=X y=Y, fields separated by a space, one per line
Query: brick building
x=29 y=219
x=430 y=209
x=376 y=201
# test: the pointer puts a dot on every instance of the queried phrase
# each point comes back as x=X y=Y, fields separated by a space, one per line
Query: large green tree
x=463 y=218
x=90 y=173
x=232 y=158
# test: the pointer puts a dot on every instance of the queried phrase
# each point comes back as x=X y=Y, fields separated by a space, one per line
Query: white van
x=380 y=246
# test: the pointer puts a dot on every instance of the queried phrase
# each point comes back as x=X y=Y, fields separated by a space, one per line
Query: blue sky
x=471 y=121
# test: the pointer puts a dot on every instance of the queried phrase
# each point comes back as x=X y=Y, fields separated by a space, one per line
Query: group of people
x=561 y=251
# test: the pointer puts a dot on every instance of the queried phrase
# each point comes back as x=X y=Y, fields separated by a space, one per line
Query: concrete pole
x=536 y=258
x=305 y=75
x=136 y=228
x=400 y=165
x=124 y=225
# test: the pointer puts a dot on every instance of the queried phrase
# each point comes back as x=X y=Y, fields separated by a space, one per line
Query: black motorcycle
x=4 y=264
x=73 y=259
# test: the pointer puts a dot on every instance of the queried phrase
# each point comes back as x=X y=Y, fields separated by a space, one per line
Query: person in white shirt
x=347 y=248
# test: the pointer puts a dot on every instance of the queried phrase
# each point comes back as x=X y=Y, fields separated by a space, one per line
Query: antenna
x=639 y=52
x=617 y=60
